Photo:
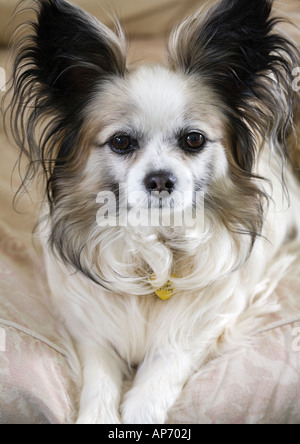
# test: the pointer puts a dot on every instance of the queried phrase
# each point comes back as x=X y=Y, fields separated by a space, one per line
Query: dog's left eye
x=121 y=143
x=194 y=141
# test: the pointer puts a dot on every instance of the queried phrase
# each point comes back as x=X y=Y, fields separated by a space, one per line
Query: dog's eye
x=194 y=141
x=122 y=143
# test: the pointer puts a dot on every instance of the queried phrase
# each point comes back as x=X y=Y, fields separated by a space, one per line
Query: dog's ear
x=58 y=67
x=71 y=52
x=231 y=42
x=234 y=48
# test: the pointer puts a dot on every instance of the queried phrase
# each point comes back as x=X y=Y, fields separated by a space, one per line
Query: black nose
x=160 y=181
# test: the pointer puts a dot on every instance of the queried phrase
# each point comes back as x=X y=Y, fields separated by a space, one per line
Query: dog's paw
x=139 y=409
x=96 y=417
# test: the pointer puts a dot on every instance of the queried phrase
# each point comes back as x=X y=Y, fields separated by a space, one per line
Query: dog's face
x=159 y=134
x=164 y=133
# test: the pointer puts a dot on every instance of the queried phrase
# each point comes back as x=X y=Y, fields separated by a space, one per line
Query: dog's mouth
x=173 y=201
x=161 y=200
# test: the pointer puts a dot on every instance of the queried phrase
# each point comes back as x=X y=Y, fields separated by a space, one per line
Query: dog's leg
x=157 y=385
x=102 y=385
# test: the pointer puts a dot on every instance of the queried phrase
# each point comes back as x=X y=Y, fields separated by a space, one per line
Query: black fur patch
x=234 y=48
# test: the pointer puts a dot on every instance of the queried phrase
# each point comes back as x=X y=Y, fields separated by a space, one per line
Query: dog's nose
x=160 y=181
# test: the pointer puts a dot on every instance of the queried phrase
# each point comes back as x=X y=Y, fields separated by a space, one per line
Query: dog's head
x=194 y=126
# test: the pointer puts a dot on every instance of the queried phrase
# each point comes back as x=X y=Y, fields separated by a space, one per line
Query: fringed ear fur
x=71 y=52
x=235 y=48
x=58 y=66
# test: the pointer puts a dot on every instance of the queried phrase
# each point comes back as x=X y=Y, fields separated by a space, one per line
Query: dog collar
x=166 y=291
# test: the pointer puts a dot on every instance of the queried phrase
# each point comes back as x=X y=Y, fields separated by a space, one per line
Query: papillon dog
x=171 y=194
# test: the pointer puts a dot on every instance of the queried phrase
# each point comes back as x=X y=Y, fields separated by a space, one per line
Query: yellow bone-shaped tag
x=166 y=291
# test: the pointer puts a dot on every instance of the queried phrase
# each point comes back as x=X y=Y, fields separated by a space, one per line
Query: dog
x=171 y=193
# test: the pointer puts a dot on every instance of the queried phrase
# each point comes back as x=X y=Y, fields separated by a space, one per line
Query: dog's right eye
x=121 y=143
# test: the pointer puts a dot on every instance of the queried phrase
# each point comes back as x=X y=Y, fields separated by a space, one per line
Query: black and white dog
x=219 y=122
